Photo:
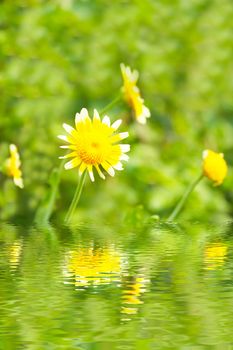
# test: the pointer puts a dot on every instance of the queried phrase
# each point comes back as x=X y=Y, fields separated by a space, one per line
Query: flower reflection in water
x=135 y=287
x=89 y=266
x=14 y=254
x=92 y=267
x=215 y=255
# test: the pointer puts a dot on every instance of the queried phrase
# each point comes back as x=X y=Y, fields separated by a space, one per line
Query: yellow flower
x=214 y=166
x=215 y=255
x=132 y=94
x=13 y=166
x=94 y=144
x=89 y=266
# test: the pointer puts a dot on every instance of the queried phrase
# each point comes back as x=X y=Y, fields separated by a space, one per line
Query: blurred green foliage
x=61 y=55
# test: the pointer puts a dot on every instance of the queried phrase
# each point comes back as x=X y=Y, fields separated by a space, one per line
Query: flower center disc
x=95 y=145
x=93 y=152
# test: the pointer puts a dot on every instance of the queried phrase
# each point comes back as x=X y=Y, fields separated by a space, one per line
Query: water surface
x=151 y=287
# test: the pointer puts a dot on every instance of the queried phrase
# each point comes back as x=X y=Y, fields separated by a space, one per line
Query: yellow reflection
x=132 y=295
x=14 y=253
x=215 y=255
x=93 y=266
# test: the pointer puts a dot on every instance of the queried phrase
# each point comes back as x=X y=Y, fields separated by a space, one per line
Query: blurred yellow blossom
x=132 y=94
x=214 y=166
x=215 y=255
x=13 y=166
x=94 y=143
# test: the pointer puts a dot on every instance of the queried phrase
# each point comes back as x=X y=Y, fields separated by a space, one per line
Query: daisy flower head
x=214 y=166
x=132 y=94
x=13 y=166
x=94 y=144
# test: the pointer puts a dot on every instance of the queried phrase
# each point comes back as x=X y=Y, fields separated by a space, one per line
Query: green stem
x=111 y=104
x=54 y=191
x=52 y=199
x=183 y=200
x=45 y=209
x=76 y=198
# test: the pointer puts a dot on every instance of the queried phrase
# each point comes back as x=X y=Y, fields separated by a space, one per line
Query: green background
x=60 y=56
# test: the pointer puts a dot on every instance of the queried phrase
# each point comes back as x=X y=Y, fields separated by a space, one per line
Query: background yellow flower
x=132 y=94
x=214 y=166
x=13 y=166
